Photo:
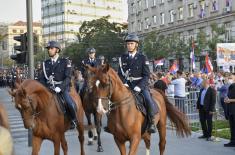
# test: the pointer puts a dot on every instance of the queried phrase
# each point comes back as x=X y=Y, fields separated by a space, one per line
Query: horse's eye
x=19 y=106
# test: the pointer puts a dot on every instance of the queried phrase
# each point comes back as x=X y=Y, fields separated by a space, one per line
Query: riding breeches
x=151 y=105
x=71 y=104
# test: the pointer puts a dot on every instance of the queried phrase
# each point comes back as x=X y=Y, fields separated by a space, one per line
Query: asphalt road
x=175 y=146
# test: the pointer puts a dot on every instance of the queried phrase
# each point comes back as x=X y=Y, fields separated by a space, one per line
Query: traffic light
x=20 y=57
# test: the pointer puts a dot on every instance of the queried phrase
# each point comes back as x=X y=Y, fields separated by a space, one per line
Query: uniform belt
x=133 y=78
x=56 y=82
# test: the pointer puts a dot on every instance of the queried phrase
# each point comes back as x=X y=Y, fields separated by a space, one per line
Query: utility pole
x=30 y=51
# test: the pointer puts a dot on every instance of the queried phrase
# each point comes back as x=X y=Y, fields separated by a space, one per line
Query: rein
x=114 y=105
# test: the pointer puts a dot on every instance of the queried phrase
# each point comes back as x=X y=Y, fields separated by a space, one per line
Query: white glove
x=126 y=85
x=57 y=89
x=137 y=89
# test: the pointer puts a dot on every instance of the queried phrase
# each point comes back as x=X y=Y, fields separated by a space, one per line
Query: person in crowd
x=230 y=101
x=223 y=91
x=206 y=106
x=179 y=90
x=196 y=81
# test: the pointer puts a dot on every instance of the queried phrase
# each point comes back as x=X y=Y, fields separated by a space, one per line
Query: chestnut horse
x=6 y=141
x=124 y=119
x=40 y=112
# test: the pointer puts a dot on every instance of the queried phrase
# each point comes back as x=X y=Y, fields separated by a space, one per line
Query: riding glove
x=57 y=89
x=126 y=85
x=137 y=89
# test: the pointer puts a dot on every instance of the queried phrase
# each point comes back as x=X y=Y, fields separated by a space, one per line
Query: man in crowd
x=206 y=106
x=179 y=90
x=231 y=111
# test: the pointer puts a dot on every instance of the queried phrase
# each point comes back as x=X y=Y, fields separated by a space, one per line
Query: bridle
x=113 y=105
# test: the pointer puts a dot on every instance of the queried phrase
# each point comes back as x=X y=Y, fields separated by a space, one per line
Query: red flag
x=208 y=64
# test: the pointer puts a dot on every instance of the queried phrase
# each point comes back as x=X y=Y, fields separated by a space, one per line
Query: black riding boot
x=152 y=126
x=74 y=122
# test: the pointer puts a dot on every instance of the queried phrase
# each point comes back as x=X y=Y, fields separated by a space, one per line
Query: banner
x=226 y=54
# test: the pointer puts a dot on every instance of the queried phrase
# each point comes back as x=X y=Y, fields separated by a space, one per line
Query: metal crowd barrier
x=188 y=105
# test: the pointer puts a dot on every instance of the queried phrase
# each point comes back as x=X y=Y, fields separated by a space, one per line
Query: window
x=14 y=31
x=154 y=2
x=21 y=31
x=162 y=18
x=190 y=9
x=155 y=19
x=139 y=4
x=215 y=6
x=161 y=1
x=147 y=24
x=139 y=25
x=132 y=8
x=181 y=13
x=132 y=26
x=172 y=13
x=228 y=3
x=146 y=4
x=202 y=9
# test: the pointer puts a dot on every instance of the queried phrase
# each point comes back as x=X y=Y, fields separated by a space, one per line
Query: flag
x=174 y=68
x=208 y=64
x=159 y=62
x=192 y=56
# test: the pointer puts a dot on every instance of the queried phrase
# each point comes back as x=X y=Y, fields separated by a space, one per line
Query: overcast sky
x=14 y=10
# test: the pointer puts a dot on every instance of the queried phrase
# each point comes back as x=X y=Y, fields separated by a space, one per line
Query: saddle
x=141 y=106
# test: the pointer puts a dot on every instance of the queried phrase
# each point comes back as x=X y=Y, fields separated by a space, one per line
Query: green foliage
x=158 y=46
x=105 y=37
x=201 y=42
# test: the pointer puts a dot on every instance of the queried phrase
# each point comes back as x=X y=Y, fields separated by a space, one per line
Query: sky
x=15 y=10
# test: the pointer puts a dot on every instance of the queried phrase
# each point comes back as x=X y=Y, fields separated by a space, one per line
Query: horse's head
x=26 y=106
x=99 y=81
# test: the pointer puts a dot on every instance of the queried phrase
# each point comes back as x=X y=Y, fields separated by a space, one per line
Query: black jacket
x=138 y=67
x=61 y=71
x=95 y=63
x=209 y=100
x=231 y=95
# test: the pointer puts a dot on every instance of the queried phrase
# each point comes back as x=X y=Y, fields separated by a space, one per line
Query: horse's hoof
x=90 y=143
x=100 y=149
x=95 y=138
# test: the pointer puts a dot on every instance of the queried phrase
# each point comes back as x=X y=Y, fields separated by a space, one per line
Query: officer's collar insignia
x=147 y=62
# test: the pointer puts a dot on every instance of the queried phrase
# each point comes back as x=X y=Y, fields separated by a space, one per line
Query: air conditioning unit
x=195 y=5
x=227 y=9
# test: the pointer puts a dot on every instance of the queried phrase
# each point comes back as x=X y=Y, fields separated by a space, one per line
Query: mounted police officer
x=134 y=72
x=56 y=75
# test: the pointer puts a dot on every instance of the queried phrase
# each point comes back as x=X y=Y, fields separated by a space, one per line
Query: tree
x=105 y=37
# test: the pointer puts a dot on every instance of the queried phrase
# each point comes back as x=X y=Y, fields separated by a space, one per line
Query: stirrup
x=73 y=124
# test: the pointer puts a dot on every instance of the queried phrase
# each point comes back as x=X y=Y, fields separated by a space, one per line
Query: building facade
x=184 y=17
x=15 y=29
x=61 y=19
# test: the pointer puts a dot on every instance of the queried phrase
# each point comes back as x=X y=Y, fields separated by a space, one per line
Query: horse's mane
x=114 y=75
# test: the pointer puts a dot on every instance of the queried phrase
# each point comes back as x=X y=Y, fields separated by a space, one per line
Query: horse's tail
x=178 y=118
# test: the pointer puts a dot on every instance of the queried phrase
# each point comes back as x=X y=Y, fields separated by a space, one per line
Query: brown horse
x=6 y=142
x=4 y=117
x=124 y=119
x=40 y=112
x=89 y=103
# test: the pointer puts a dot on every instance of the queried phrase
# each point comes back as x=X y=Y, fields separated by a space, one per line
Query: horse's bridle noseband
x=30 y=101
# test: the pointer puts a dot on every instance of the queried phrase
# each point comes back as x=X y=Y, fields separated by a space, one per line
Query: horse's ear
x=105 y=68
x=12 y=92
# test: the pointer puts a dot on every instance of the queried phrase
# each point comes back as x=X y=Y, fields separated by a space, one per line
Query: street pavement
x=174 y=146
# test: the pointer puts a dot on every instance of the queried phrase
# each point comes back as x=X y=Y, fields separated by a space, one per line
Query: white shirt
x=55 y=58
x=132 y=54
x=179 y=87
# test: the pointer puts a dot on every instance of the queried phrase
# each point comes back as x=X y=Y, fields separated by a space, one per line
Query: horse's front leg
x=121 y=146
x=56 y=142
x=64 y=144
x=135 y=140
x=98 y=129
x=90 y=134
x=37 y=141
